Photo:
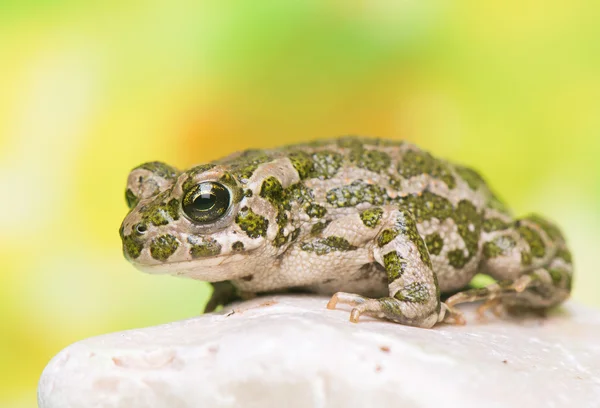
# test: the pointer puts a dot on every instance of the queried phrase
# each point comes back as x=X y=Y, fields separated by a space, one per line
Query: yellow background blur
x=89 y=90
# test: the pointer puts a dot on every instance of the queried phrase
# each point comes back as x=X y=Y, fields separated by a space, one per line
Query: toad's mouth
x=209 y=269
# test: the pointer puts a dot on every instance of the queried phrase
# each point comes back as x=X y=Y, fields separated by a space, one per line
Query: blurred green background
x=89 y=90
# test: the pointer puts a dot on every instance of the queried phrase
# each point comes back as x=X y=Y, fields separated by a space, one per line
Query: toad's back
x=376 y=218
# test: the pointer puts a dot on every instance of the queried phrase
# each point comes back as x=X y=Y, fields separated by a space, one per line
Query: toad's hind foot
x=495 y=305
x=535 y=291
x=453 y=316
x=532 y=264
x=492 y=296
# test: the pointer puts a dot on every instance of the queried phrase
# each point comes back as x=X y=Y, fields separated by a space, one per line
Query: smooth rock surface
x=290 y=351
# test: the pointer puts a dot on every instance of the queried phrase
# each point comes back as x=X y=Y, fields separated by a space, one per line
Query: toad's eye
x=206 y=202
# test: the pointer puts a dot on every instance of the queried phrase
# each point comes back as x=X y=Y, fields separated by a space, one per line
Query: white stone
x=290 y=351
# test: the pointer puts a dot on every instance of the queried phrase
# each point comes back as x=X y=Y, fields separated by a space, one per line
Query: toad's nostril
x=141 y=228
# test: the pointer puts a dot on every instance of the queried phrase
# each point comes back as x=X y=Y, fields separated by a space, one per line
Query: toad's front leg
x=414 y=297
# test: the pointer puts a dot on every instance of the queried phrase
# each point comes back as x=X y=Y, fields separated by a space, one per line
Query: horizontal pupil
x=205 y=201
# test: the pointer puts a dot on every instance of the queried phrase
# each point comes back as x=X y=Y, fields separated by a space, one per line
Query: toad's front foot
x=349 y=299
x=412 y=314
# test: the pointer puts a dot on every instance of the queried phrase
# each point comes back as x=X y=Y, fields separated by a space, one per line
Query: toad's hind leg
x=532 y=264
x=414 y=297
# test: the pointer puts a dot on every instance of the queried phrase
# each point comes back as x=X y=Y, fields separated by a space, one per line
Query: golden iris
x=206 y=202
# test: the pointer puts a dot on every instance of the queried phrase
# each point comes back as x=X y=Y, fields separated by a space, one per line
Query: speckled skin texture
x=381 y=225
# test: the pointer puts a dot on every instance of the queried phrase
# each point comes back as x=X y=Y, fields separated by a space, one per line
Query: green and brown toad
x=378 y=224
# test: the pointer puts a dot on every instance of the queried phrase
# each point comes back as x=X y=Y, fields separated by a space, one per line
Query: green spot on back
x=315 y=210
x=371 y=217
x=468 y=221
x=319 y=227
x=498 y=246
x=326 y=164
x=373 y=160
x=494 y=224
x=536 y=245
x=434 y=243
x=427 y=206
x=300 y=193
x=324 y=246
x=355 y=193
x=457 y=258
x=252 y=224
x=491 y=250
x=302 y=162
x=415 y=163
